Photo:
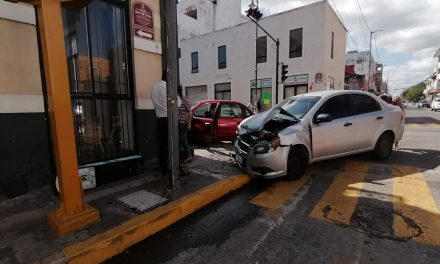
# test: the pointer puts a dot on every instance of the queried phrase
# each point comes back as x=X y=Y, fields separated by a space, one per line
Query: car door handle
x=379 y=117
x=207 y=124
x=348 y=124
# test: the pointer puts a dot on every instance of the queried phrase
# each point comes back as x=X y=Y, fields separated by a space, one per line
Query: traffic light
x=254 y=13
x=258 y=15
x=283 y=72
x=251 y=12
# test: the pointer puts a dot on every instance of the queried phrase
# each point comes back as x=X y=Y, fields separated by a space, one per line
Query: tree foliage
x=414 y=92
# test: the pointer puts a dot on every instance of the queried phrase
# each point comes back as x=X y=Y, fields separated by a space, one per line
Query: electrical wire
x=343 y=22
x=355 y=43
x=362 y=13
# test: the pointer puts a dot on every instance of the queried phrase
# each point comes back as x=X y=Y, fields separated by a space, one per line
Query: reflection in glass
x=102 y=105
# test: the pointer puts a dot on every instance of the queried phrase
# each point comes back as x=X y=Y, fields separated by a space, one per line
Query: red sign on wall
x=143 y=21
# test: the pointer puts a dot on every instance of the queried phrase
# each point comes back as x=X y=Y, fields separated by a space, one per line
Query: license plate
x=239 y=159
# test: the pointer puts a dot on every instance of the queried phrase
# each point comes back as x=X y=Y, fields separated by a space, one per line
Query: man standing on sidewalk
x=184 y=118
x=159 y=98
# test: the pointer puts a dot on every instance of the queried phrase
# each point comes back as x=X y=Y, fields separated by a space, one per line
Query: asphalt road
x=348 y=210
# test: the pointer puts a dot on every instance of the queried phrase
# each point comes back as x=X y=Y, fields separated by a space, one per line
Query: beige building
x=113 y=57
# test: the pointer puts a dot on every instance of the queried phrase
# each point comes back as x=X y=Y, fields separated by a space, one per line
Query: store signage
x=297 y=79
x=143 y=21
x=262 y=83
x=318 y=77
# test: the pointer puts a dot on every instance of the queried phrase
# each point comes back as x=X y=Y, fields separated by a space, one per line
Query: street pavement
x=27 y=238
x=348 y=210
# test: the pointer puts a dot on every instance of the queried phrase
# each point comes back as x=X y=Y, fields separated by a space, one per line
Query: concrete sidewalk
x=27 y=238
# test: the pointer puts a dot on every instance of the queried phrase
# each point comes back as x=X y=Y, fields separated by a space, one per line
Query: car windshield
x=299 y=106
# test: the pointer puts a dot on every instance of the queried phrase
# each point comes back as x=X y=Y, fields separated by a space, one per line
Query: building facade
x=221 y=64
x=114 y=56
x=433 y=81
x=357 y=72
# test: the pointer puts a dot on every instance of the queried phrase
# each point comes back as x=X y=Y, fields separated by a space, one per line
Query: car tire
x=296 y=164
x=384 y=147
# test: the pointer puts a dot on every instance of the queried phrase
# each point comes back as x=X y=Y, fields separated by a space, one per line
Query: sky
x=407 y=44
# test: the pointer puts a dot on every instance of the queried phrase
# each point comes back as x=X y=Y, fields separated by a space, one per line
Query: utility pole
x=255 y=7
x=369 y=61
x=170 y=12
x=277 y=43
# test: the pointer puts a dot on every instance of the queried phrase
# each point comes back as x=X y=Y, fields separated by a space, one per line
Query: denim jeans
x=185 y=151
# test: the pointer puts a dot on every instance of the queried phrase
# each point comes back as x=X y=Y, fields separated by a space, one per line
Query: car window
x=298 y=107
x=336 y=107
x=205 y=111
x=246 y=112
x=230 y=110
x=364 y=104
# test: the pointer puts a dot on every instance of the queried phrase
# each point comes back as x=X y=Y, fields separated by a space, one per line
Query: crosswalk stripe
x=339 y=202
x=417 y=214
x=431 y=125
x=274 y=196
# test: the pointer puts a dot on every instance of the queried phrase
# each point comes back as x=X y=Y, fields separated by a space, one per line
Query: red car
x=216 y=120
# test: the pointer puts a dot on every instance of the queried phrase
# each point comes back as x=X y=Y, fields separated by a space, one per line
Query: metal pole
x=369 y=64
x=276 y=70
x=171 y=47
x=256 y=60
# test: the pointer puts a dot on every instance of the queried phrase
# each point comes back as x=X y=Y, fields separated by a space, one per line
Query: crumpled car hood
x=256 y=123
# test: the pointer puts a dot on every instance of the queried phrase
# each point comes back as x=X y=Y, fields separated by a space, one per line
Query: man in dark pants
x=159 y=98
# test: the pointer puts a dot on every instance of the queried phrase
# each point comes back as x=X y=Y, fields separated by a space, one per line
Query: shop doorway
x=97 y=48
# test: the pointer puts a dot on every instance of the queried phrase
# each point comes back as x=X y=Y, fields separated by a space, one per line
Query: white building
x=198 y=17
x=221 y=64
x=357 y=63
x=432 y=89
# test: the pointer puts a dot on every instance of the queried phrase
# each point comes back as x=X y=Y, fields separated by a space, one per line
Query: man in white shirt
x=159 y=98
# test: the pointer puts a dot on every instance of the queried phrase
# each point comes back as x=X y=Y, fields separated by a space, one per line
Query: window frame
x=195 y=62
x=354 y=108
x=349 y=111
x=222 y=64
x=219 y=90
x=296 y=51
x=261 y=53
x=332 y=45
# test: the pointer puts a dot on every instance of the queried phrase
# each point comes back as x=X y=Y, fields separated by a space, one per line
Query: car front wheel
x=384 y=147
x=296 y=164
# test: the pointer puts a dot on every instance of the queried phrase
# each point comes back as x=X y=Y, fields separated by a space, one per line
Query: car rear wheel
x=296 y=164
x=384 y=147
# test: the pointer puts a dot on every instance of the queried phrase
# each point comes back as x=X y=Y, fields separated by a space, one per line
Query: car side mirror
x=322 y=118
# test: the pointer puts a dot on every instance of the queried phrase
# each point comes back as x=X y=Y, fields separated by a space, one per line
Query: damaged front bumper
x=268 y=165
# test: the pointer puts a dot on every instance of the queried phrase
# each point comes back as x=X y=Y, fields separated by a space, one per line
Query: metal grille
x=102 y=104
x=243 y=146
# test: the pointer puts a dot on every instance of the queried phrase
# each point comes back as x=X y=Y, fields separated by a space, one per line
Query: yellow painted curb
x=116 y=240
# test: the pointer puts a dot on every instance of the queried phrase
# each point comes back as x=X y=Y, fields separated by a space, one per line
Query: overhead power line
x=362 y=13
x=339 y=14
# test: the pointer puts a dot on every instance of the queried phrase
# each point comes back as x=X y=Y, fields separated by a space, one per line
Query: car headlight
x=267 y=147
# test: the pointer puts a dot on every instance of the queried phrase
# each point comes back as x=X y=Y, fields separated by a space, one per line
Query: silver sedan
x=316 y=126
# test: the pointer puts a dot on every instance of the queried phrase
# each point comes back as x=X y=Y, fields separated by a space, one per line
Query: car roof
x=217 y=101
x=334 y=92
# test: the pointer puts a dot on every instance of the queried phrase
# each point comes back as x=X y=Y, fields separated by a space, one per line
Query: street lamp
x=254 y=9
x=277 y=62
x=369 y=61
x=252 y=5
